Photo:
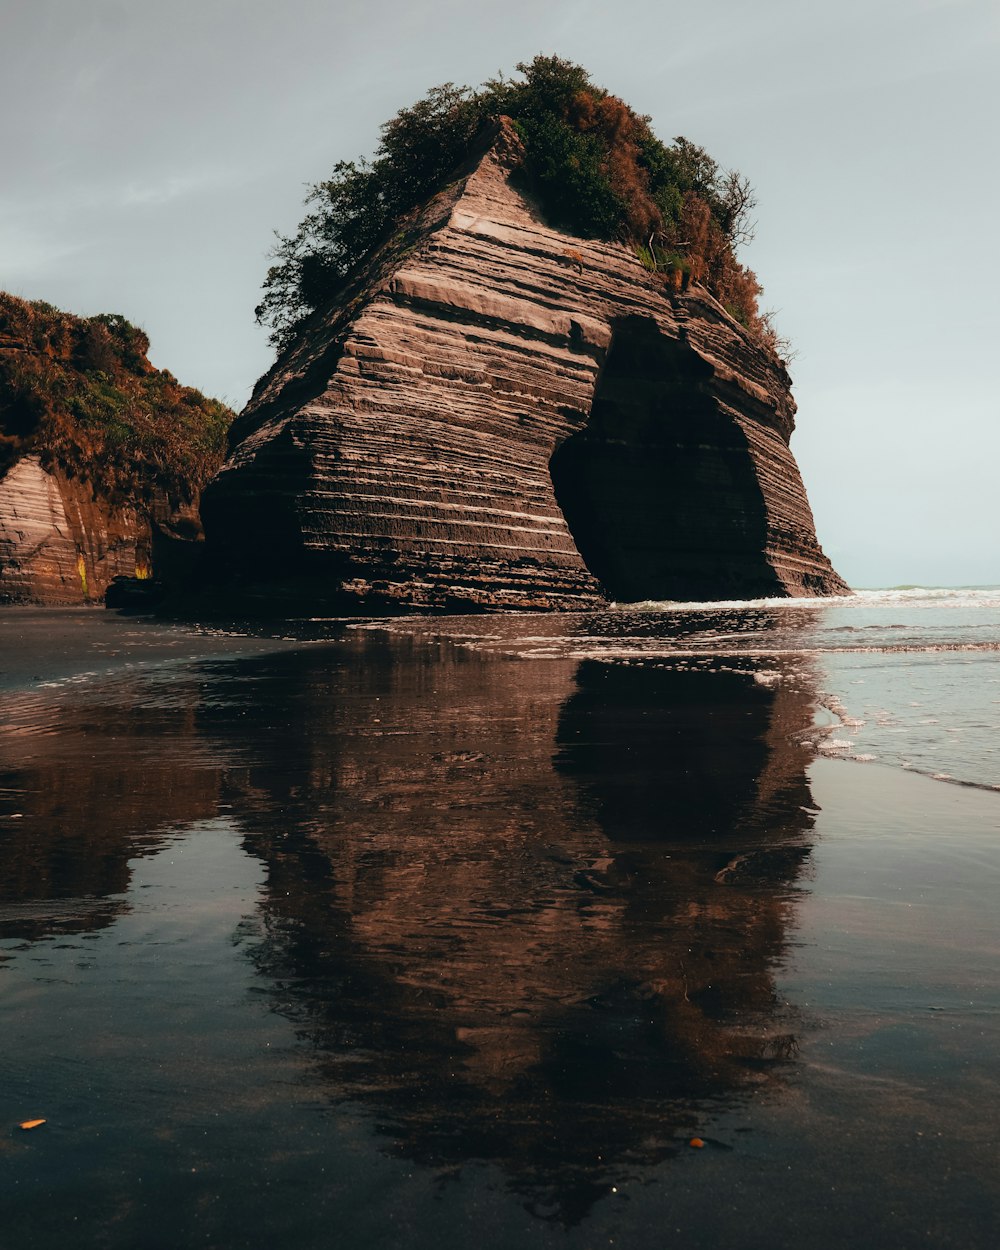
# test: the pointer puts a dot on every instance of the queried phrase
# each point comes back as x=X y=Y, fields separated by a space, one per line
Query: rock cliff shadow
x=659 y=489
x=510 y=921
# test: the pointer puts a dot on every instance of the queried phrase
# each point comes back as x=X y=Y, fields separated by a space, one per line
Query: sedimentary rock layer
x=58 y=544
x=497 y=415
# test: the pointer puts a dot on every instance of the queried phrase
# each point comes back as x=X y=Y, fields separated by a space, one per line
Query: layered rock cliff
x=101 y=456
x=494 y=414
x=58 y=543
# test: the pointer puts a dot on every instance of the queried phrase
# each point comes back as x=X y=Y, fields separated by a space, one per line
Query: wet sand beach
x=429 y=933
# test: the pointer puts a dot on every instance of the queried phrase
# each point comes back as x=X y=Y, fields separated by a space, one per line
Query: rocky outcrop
x=63 y=542
x=102 y=457
x=498 y=415
x=58 y=543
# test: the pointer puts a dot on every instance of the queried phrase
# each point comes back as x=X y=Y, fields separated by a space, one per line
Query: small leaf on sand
x=696 y=1142
x=30 y=1123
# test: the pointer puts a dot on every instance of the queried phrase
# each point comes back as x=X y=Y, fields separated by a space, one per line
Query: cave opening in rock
x=659 y=489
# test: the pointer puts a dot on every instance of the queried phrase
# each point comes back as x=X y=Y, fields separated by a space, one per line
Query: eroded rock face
x=58 y=544
x=497 y=415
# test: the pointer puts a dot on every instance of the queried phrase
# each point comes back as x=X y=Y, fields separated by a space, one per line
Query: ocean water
x=666 y=922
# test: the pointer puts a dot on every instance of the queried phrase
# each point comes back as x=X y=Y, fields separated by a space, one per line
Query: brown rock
x=58 y=544
x=497 y=415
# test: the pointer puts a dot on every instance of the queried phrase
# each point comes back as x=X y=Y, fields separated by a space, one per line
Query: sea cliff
x=102 y=457
x=494 y=414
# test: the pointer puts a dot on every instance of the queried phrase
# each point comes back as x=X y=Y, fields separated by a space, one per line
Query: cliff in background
x=102 y=456
x=494 y=414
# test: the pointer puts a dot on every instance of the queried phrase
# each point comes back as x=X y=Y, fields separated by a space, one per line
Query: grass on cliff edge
x=595 y=165
x=80 y=393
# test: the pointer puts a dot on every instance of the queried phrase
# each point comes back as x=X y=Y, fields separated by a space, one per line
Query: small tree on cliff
x=595 y=165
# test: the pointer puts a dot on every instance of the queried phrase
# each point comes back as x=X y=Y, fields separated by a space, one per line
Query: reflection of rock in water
x=526 y=912
x=527 y=923
x=677 y=754
x=665 y=754
x=89 y=779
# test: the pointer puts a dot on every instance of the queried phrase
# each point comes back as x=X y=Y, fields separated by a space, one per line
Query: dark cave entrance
x=659 y=490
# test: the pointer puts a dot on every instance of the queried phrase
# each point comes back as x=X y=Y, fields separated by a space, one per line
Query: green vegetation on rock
x=80 y=393
x=594 y=165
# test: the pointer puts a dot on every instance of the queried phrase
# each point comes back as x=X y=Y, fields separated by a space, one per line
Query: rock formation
x=58 y=544
x=62 y=541
x=496 y=415
x=101 y=457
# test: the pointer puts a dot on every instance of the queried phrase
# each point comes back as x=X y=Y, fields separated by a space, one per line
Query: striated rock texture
x=63 y=542
x=60 y=544
x=497 y=415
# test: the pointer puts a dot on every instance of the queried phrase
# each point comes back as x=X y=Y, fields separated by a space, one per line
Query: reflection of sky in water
x=411 y=938
x=936 y=713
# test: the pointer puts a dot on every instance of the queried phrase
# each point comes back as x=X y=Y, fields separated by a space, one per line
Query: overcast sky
x=151 y=148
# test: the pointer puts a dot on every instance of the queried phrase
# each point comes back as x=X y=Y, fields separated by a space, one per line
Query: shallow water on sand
x=431 y=931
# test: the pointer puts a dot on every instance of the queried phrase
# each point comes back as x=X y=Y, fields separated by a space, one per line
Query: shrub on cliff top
x=80 y=393
x=595 y=165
